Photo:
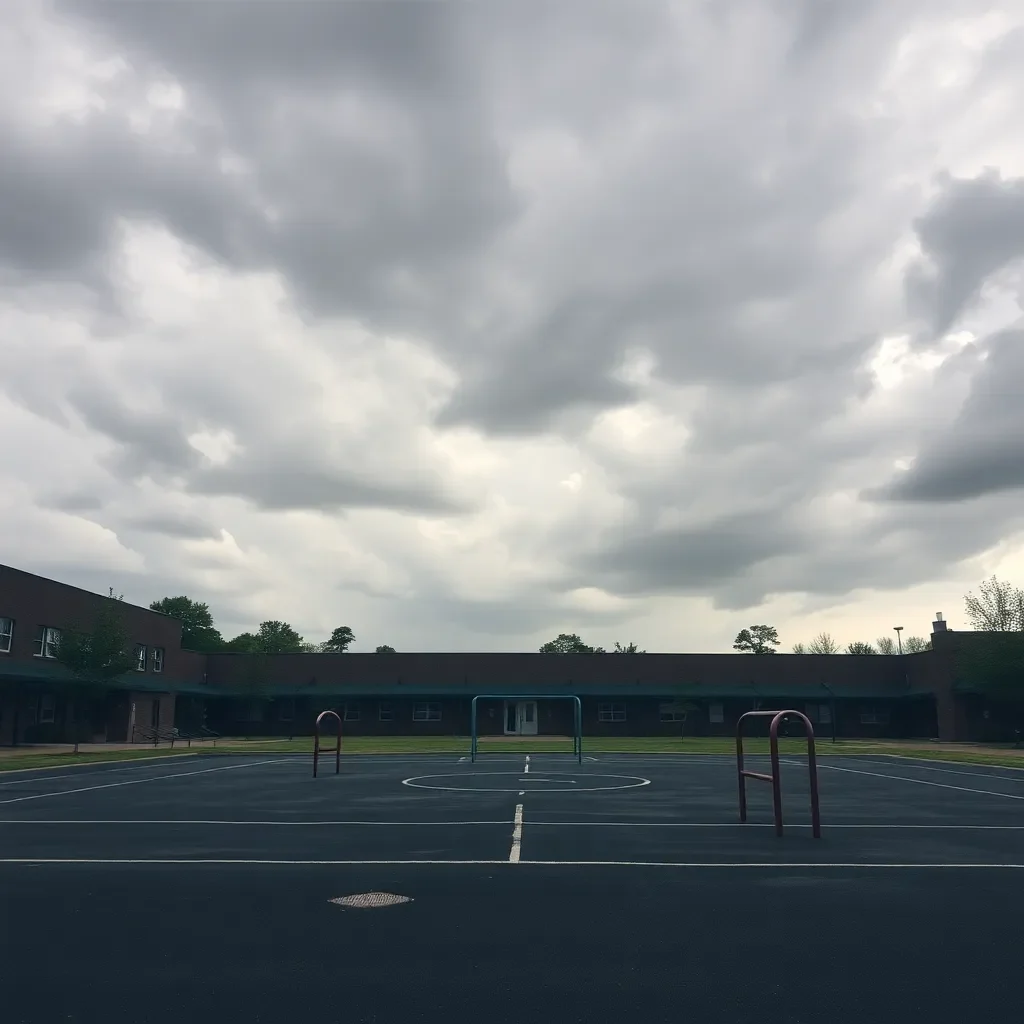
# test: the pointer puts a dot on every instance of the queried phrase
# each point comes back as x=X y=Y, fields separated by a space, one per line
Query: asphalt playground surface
x=201 y=888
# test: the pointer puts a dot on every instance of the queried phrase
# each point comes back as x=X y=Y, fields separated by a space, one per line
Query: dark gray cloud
x=982 y=450
x=549 y=368
x=183 y=526
x=288 y=481
x=370 y=175
x=273 y=476
x=973 y=229
x=695 y=558
x=147 y=440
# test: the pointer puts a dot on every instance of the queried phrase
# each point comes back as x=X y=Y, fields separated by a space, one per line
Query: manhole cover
x=371 y=899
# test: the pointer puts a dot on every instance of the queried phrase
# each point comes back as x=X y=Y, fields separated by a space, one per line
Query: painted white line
x=747 y=825
x=749 y=864
x=133 y=782
x=422 y=824
x=777 y=865
x=517 y=836
x=184 y=861
x=88 y=764
x=415 y=782
x=976 y=764
x=908 y=763
x=914 y=782
x=76 y=775
x=235 y=821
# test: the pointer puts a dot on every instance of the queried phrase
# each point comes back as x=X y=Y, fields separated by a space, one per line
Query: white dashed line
x=517 y=836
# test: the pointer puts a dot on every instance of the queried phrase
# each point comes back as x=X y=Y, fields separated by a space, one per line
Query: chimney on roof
x=938 y=626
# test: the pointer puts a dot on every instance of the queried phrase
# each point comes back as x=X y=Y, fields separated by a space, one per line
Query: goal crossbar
x=577 y=717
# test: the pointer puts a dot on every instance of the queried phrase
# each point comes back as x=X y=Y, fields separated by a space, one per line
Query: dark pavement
x=776 y=931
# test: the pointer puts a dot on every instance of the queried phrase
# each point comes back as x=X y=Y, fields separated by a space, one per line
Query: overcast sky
x=469 y=324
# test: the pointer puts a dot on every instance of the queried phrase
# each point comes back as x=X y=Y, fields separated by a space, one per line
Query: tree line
x=570 y=643
x=104 y=651
x=764 y=639
x=997 y=608
x=198 y=633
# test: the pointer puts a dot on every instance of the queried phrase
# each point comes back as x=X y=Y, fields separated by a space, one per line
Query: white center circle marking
x=566 y=782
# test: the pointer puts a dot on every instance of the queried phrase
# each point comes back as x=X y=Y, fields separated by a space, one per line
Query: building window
x=670 y=712
x=874 y=718
x=6 y=633
x=286 y=709
x=716 y=713
x=47 y=642
x=426 y=711
x=47 y=709
x=140 y=657
x=350 y=713
x=824 y=714
x=385 y=713
x=157 y=656
x=611 y=712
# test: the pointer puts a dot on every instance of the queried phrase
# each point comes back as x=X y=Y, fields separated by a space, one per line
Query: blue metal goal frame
x=577 y=717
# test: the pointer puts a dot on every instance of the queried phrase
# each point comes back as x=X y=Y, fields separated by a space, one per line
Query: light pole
x=899 y=640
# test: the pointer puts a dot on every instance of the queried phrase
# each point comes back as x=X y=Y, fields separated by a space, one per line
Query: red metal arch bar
x=775 y=777
x=316 y=741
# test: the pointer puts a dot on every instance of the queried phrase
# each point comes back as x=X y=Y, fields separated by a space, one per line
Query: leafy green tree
x=198 y=632
x=914 y=644
x=628 y=649
x=823 y=643
x=339 y=641
x=102 y=652
x=276 y=637
x=999 y=607
x=859 y=647
x=567 y=643
x=244 y=643
x=96 y=655
x=757 y=640
x=885 y=645
x=273 y=637
x=384 y=649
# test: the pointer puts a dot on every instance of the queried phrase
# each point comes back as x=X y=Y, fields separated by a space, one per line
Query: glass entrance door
x=520 y=718
x=527 y=716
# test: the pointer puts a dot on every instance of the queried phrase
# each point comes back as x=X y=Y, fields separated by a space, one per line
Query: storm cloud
x=456 y=322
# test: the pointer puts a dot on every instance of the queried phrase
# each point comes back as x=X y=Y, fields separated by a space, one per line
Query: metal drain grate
x=371 y=899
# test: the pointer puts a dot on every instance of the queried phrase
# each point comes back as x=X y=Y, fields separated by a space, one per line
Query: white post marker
x=526 y=770
x=517 y=836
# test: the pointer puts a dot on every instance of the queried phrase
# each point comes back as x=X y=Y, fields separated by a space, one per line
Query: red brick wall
x=33 y=601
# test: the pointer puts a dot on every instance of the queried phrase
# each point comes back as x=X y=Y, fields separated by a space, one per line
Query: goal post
x=577 y=717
